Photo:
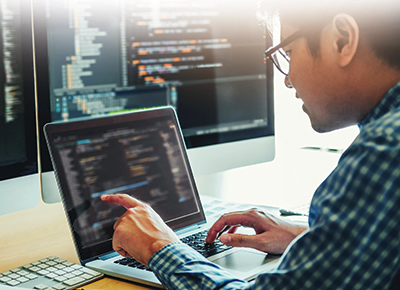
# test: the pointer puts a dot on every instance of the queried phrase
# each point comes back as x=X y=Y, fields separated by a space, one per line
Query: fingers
x=121 y=199
x=232 y=230
x=229 y=222
x=216 y=231
x=118 y=248
x=239 y=240
x=122 y=252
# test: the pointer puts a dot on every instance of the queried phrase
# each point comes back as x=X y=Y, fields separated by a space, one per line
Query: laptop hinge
x=108 y=256
x=187 y=229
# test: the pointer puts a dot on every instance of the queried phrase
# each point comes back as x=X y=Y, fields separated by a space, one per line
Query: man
x=345 y=67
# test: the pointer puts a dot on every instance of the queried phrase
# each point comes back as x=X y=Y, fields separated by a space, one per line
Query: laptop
x=142 y=154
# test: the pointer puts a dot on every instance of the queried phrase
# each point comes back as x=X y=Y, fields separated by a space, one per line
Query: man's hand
x=273 y=235
x=140 y=232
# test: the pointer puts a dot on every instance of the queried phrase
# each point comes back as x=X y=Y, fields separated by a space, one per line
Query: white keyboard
x=301 y=210
x=49 y=273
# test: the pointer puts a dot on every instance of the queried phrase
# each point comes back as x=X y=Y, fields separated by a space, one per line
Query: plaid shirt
x=353 y=241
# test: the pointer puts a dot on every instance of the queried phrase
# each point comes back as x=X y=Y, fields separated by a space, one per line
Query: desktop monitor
x=19 y=182
x=202 y=57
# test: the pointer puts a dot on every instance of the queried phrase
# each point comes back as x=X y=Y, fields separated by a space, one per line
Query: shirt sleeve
x=178 y=266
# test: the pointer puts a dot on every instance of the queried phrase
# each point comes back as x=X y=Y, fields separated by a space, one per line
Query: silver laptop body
x=141 y=154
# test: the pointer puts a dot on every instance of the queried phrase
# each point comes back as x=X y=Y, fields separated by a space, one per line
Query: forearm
x=299 y=227
x=179 y=267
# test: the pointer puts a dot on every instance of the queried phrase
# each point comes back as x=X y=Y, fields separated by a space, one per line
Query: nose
x=288 y=83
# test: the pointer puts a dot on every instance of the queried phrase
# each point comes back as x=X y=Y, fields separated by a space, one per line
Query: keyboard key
x=5 y=279
x=74 y=281
x=90 y=271
x=40 y=286
x=43 y=272
x=77 y=273
x=15 y=270
x=22 y=273
x=22 y=279
x=35 y=269
x=69 y=276
x=68 y=269
x=86 y=276
x=14 y=276
x=60 y=272
x=51 y=275
x=31 y=276
x=13 y=283
x=51 y=269
x=59 y=287
x=60 y=278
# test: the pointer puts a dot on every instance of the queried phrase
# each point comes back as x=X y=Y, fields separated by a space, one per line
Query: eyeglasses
x=278 y=56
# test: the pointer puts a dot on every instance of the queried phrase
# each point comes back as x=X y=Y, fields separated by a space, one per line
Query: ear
x=346 y=38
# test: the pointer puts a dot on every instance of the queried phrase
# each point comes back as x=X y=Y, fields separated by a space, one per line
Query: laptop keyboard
x=196 y=241
x=49 y=273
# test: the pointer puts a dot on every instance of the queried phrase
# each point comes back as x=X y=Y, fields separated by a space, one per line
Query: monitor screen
x=18 y=156
x=140 y=154
x=202 y=57
x=19 y=181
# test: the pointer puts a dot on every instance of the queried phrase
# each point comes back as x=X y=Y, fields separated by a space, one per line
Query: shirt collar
x=389 y=102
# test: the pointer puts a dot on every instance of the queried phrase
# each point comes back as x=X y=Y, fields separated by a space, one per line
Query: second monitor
x=204 y=58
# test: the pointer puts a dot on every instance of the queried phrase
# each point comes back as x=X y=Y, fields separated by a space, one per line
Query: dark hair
x=378 y=21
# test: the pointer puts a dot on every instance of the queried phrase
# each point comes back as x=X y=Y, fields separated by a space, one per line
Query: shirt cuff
x=172 y=255
x=178 y=264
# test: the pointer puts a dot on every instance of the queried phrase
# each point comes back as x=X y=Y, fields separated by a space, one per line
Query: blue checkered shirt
x=353 y=240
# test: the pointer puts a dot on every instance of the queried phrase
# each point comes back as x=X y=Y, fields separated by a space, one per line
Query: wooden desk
x=39 y=232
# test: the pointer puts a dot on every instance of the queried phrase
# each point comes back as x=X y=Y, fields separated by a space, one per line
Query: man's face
x=317 y=82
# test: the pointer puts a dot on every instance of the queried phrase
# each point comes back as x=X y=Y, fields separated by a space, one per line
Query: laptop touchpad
x=243 y=261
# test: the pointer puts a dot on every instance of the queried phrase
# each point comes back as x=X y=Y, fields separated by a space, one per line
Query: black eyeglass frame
x=271 y=50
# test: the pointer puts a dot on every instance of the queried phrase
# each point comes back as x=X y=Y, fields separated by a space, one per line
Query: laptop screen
x=140 y=154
